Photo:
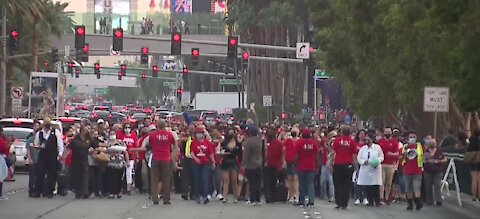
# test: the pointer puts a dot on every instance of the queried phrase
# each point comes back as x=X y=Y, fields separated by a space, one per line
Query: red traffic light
x=284 y=115
x=245 y=55
x=80 y=31
x=145 y=50
x=195 y=52
x=155 y=68
x=177 y=37
x=232 y=42
x=70 y=65
x=144 y=76
x=180 y=91
x=85 y=48
x=123 y=66
x=185 y=70
x=120 y=74
x=14 y=34
x=118 y=34
x=97 y=65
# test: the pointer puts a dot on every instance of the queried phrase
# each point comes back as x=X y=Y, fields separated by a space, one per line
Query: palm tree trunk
x=35 y=45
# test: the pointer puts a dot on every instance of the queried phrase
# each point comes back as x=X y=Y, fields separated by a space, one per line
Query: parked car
x=194 y=114
x=82 y=114
x=209 y=118
x=139 y=116
x=17 y=122
x=227 y=118
x=20 y=135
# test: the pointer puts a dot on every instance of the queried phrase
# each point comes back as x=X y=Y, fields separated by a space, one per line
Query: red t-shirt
x=324 y=148
x=130 y=141
x=274 y=154
x=290 y=150
x=307 y=151
x=141 y=154
x=202 y=150
x=345 y=147
x=3 y=147
x=161 y=143
x=411 y=166
x=390 y=145
x=218 y=158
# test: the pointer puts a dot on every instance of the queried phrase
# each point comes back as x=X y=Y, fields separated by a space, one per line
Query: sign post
x=303 y=50
x=436 y=99
x=319 y=75
x=267 y=102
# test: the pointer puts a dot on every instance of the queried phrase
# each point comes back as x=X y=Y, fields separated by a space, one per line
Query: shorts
x=387 y=175
x=291 y=169
x=474 y=167
x=413 y=183
x=228 y=168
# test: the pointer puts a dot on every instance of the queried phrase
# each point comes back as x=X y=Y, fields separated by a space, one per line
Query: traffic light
x=123 y=69
x=245 y=58
x=155 y=71
x=291 y=98
x=284 y=116
x=82 y=54
x=144 y=55
x=96 y=70
x=179 y=91
x=144 y=76
x=118 y=39
x=79 y=36
x=70 y=68
x=55 y=57
x=120 y=75
x=232 y=47
x=185 y=70
x=195 y=55
x=176 y=44
x=13 y=42
x=77 y=73
x=46 y=66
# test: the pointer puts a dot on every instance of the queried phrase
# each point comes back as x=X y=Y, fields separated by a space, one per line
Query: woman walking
x=115 y=168
x=474 y=148
x=290 y=153
x=307 y=165
x=80 y=146
x=229 y=165
x=204 y=163
x=370 y=158
x=433 y=172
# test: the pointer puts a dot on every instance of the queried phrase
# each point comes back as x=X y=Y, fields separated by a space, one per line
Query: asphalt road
x=138 y=206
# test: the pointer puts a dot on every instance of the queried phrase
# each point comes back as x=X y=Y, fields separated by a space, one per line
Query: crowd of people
x=284 y=163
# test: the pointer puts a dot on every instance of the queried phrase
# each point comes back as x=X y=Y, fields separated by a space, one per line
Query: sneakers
x=331 y=200
x=357 y=202
x=382 y=201
x=2 y=198
x=220 y=197
x=224 y=200
x=365 y=201
x=209 y=197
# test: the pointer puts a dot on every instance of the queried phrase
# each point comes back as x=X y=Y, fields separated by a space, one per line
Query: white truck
x=222 y=102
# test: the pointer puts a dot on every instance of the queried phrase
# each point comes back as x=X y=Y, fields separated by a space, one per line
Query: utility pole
x=3 y=77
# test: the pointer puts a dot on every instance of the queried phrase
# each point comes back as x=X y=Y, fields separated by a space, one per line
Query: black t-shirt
x=80 y=148
x=230 y=159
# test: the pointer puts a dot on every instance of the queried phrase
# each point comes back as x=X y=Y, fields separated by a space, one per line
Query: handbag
x=101 y=157
x=472 y=157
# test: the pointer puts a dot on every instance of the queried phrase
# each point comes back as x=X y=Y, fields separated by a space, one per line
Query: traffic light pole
x=3 y=78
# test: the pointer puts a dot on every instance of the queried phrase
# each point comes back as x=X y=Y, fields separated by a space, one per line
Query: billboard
x=219 y=6
x=47 y=95
x=182 y=6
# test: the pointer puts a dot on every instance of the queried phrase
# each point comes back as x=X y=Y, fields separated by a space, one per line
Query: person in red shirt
x=326 y=171
x=203 y=164
x=390 y=149
x=4 y=151
x=344 y=151
x=290 y=153
x=308 y=160
x=412 y=160
x=161 y=142
x=275 y=161
x=129 y=137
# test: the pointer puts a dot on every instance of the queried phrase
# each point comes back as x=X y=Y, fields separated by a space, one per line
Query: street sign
x=172 y=84
x=303 y=50
x=100 y=90
x=186 y=98
x=71 y=90
x=113 y=52
x=16 y=106
x=230 y=81
x=16 y=92
x=436 y=99
x=321 y=74
x=267 y=100
x=67 y=51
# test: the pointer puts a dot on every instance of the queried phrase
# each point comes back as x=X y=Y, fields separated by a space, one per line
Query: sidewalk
x=469 y=208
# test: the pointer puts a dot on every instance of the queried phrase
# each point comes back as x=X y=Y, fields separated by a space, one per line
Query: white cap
x=152 y=127
x=100 y=121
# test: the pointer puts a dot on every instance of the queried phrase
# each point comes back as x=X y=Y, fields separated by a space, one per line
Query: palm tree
x=21 y=8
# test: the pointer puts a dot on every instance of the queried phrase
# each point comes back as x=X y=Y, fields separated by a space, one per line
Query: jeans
x=269 y=182
x=216 y=180
x=31 y=179
x=201 y=175
x=326 y=179
x=433 y=182
x=342 y=179
x=307 y=188
x=138 y=176
x=254 y=179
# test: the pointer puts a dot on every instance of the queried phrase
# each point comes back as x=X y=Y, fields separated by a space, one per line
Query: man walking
x=161 y=142
x=50 y=143
x=252 y=163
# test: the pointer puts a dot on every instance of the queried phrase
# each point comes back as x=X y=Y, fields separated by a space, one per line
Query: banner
x=43 y=95
x=219 y=6
x=182 y=6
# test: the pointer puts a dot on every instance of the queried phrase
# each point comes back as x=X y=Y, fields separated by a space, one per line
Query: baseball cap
x=306 y=132
x=100 y=121
x=152 y=127
x=252 y=130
